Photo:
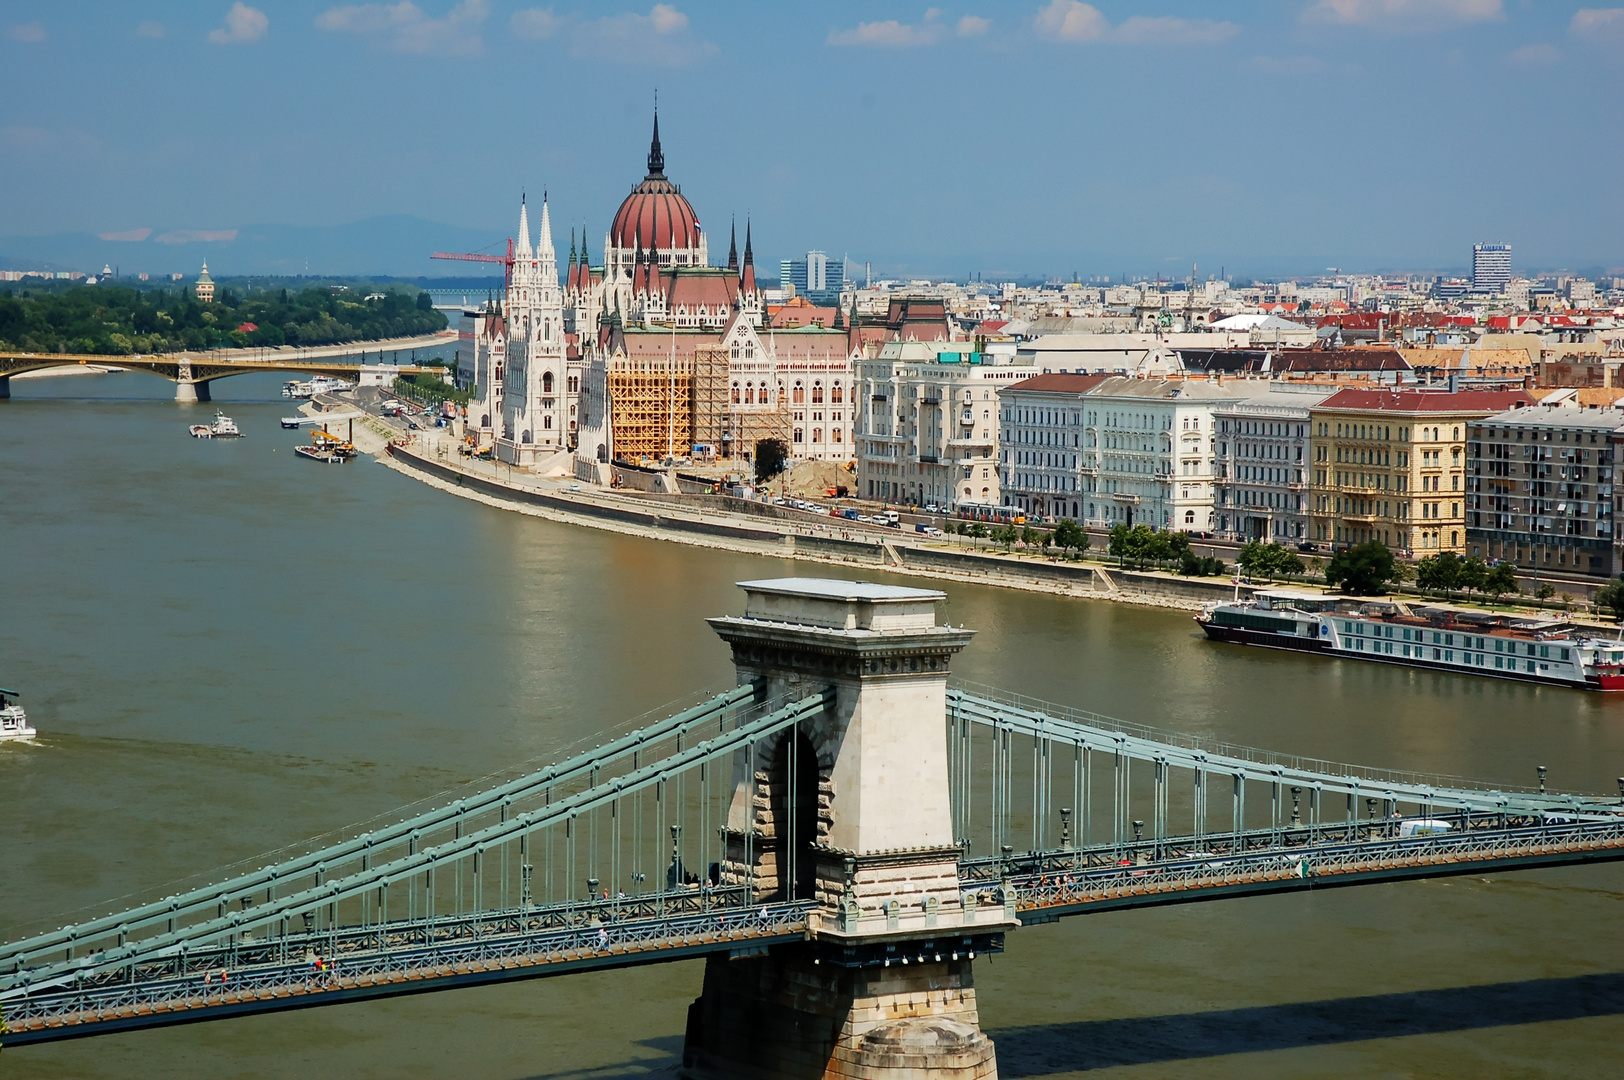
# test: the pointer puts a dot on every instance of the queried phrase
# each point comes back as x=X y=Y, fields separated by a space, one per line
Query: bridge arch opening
x=794 y=809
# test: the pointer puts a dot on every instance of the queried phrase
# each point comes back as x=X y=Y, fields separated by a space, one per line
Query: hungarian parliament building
x=654 y=353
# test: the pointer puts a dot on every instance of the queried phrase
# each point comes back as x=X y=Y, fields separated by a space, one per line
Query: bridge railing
x=1078 y=878
x=468 y=946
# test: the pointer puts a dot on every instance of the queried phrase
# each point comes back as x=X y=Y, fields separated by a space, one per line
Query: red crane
x=507 y=262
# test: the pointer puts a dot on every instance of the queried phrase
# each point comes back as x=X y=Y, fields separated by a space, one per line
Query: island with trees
x=114 y=320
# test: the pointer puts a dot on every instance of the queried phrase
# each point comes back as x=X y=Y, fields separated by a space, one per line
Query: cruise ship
x=1531 y=648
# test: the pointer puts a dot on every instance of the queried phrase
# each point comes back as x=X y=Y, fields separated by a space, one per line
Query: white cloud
x=891 y=34
x=662 y=37
x=1602 y=23
x=243 y=23
x=973 y=26
x=1532 y=55
x=536 y=23
x=405 y=28
x=195 y=236
x=132 y=236
x=150 y=29
x=1072 y=20
x=28 y=31
x=1402 y=14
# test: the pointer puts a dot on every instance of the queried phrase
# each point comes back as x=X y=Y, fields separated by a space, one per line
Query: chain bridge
x=840 y=835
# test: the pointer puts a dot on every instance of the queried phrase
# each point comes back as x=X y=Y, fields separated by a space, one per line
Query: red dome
x=655 y=214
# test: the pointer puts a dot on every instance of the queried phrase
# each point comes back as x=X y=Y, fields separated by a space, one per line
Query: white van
x=1424 y=827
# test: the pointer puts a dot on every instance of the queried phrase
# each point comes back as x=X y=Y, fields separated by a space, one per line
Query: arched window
x=799 y=435
x=817 y=393
x=547 y=422
x=546 y=330
x=735 y=393
x=834 y=436
x=798 y=395
x=817 y=434
x=749 y=393
x=547 y=382
x=835 y=395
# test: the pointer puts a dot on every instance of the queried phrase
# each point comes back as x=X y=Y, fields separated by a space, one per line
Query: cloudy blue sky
x=1034 y=138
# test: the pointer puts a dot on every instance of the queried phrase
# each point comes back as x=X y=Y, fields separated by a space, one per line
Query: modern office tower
x=1491 y=267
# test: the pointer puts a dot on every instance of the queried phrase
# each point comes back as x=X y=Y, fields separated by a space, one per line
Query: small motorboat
x=13 y=721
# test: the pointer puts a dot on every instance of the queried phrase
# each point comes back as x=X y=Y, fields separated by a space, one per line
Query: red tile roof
x=1059 y=384
x=1427 y=401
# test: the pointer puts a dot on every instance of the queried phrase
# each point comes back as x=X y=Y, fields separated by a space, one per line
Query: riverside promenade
x=755 y=528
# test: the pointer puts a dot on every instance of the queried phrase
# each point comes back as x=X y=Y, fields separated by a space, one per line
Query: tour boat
x=224 y=427
x=13 y=722
x=1529 y=647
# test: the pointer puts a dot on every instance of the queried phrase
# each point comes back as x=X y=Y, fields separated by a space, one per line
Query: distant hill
x=394 y=245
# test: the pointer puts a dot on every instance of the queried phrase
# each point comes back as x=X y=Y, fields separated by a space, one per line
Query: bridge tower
x=850 y=809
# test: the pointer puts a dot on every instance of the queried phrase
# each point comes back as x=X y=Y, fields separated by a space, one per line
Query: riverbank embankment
x=752 y=528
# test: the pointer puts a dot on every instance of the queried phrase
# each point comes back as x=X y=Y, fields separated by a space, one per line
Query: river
x=228 y=649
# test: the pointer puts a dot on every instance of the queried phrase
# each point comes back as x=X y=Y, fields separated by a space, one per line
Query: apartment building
x=926 y=425
x=1540 y=488
x=1390 y=465
x=1261 y=465
x=1040 y=436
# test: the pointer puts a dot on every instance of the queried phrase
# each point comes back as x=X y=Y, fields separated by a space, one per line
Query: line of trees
x=1446 y=573
x=112 y=320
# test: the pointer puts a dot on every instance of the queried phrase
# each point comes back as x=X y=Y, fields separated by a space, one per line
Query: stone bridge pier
x=851 y=809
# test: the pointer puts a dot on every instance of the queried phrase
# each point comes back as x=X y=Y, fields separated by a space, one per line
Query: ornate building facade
x=655 y=351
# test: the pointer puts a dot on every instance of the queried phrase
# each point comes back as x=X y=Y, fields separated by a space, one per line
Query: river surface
x=229 y=649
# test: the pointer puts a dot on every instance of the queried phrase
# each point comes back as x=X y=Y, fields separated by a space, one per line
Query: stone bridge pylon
x=852 y=809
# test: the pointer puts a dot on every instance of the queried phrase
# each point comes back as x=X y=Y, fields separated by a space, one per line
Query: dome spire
x=656 y=158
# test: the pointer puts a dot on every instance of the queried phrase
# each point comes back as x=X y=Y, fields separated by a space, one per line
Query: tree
x=771 y=456
x=1501 y=579
x=1029 y=537
x=1610 y=598
x=1363 y=570
x=1071 y=537
x=1545 y=591
x=1117 y=543
x=976 y=531
x=1268 y=560
x=1006 y=535
x=1474 y=572
x=1439 y=573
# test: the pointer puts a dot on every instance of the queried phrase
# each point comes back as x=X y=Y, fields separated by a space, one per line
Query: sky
x=1049 y=137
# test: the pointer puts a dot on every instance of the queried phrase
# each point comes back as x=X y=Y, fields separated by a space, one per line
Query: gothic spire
x=524 y=228
x=733 y=246
x=656 y=159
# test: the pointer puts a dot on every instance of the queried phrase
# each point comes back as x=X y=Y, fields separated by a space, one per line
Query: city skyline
x=1073 y=138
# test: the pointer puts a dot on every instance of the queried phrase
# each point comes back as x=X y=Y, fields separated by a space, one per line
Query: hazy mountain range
x=396 y=245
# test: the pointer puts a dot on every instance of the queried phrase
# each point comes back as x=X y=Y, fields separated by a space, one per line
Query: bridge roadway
x=195 y=370
x=317 y=929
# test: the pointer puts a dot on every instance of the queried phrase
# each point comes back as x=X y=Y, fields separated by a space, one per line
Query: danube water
x=229 y=649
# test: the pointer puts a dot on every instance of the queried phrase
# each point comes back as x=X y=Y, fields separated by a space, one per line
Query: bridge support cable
x=1288 y=779
x=332 y=904
x=367 y=847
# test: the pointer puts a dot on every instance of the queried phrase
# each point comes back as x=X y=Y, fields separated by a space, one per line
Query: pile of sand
x=813 y=479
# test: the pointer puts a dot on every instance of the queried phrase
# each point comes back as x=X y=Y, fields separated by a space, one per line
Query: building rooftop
x=1057 y=384
x=1428 y=401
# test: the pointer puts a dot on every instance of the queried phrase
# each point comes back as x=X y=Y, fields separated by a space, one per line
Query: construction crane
x=507 y=262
